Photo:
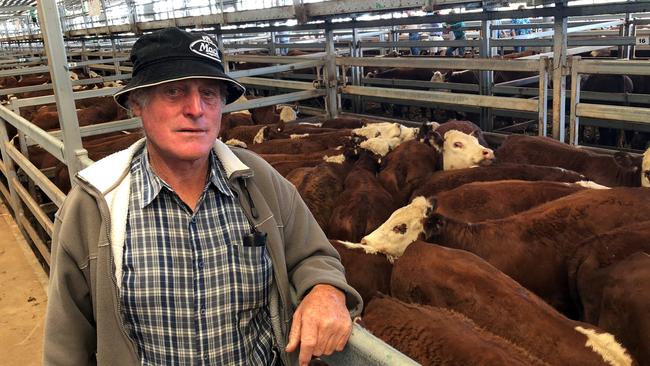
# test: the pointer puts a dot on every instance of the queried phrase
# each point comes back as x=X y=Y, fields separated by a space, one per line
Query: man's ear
x=136 y=110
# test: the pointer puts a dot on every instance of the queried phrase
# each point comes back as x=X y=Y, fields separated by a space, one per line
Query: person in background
x=436 y=35
x=414 y=36
x=181 y=250
x=520 y=31
x=459 y=34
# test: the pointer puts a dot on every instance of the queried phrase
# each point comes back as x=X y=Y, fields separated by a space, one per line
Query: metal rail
x=600 y=111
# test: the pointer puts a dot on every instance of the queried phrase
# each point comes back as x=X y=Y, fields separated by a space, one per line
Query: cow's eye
x=458 y=144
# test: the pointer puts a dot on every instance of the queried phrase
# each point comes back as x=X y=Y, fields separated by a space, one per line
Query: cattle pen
x=362 y=106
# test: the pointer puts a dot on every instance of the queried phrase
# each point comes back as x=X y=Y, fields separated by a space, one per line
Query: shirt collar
x=152 y=184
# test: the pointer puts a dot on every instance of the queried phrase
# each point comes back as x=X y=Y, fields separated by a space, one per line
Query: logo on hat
x=205 y=47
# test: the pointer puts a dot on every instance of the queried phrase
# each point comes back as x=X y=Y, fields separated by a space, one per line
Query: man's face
x=181 y=119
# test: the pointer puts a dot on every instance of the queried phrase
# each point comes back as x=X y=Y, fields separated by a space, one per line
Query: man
x=182 y=251
x=436 y=35
x=459 y=34
x=520 y=31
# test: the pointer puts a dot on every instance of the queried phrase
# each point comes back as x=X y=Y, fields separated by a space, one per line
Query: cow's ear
x=436 y=139
x=433 y=227
x=624 y=159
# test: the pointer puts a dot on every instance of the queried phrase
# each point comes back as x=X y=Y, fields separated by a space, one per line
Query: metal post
x=559 y=77
x=543 y=97
x=624 y=51
x=226 y=65
x=574 y=120
x=57 y=64
x=356 y=70
x=273 y=50
x=486 y=76
x=632 y=51
x=10 y=170
x=330 y=75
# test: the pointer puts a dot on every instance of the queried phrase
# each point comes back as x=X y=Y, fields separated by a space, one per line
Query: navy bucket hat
x=173 y=54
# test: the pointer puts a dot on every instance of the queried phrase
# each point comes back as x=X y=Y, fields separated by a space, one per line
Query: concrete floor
x=23 y=297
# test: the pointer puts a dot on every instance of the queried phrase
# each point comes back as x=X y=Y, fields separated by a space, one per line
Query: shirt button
x=202 y=311
x=200 y=264
x=193 y=220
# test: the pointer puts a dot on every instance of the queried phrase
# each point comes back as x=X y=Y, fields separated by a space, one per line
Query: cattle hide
x=363 y=205
x=405 y=168
x=479 y=201
x=367 y=273
x=533 y=247
x=455 y=279
x=436 y=336
x=617 y=170
x=445 y=180
x=613 y=288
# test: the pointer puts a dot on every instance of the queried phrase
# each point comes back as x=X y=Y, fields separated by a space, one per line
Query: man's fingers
x=342 y=341
x=308 y=342
x=294 y=334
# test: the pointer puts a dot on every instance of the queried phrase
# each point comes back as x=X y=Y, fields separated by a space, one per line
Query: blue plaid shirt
x=191 y=293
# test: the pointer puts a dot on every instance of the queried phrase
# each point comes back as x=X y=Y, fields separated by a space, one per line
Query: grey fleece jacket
x=83 y=324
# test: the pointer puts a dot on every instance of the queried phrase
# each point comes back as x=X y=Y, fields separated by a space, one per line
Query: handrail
x=363 y=348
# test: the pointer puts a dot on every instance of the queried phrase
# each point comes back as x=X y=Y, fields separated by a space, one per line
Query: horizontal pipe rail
x=286 y=84
x=599 y=111
x=264 y=59
x=363 y=348
x=40 y=245
x=442 y=63
x=274 y=69
x=445 y=98
x=106 y=127
x=19 y=103
x=623 y=67
x=36 y=175
x=273 y=100
x=51 y=144
x=34 y=207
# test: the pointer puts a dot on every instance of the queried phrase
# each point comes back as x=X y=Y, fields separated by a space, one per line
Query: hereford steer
x=445 y=180
x=367 y=273
x=436 y=336
x=403 y=227
x=406 y=167
x=617 y=170
x=460 y=150
x=479 y=201
x=455 y=279
x=611 y=287
x=363 y=205
x=544 y=237
x=320 y=187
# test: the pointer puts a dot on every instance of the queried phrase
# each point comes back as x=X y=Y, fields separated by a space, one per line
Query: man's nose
x=193 y=104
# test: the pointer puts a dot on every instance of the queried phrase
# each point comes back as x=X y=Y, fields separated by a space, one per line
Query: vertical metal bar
x=559 y=77
x=632 y=52
x=624 y=51
x=574 y=120
x=273 y=51
x=486 y=76
x=330 y=75
x=543 y=97
x=55 y=49
x=10 y=170
x=226 y=64
x=356 y=70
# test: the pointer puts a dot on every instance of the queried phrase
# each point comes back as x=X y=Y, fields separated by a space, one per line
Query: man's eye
x=210 y=93
x=173 y=92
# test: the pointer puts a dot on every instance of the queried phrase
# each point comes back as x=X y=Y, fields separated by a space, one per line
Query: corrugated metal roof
x=16 y=7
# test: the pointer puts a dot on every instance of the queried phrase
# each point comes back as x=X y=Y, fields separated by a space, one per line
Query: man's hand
x=321 y=324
